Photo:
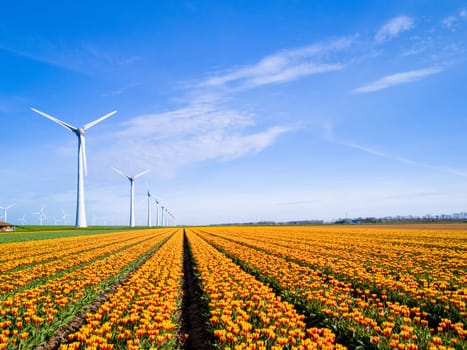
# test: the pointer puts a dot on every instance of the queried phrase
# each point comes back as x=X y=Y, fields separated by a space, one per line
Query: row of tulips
x=357 y=316
x=31 y=315
x=18 y=254
x=244 y=312
x=429 y=269
x=142 y=313
x=31 y=269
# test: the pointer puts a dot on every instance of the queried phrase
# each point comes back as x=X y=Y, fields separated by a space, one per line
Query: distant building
x=5 y=226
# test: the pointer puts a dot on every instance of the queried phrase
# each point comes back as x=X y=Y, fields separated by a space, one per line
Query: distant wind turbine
x=42 y=215
x=162 y=215
x=132 y=192
x=148 y=194
x=172 y=219
x=82 y=166
x=167 y=217
x=65 y=218
x=23 y=219
x=157 y=212
x=5 y=211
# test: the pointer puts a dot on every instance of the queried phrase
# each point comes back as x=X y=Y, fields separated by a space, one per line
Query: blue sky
x=243 y=111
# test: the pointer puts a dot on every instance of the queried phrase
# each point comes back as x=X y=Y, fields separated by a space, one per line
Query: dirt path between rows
x=193 y=309
x=192 y=306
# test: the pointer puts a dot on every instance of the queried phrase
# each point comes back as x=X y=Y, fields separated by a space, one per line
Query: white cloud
x=328 y=135
x=393 y=28
x=84 y=58
x=397 y=79
x=463 y=13
x=282 y=67
x=207 y=129
x=449 y=22
x=168 y=141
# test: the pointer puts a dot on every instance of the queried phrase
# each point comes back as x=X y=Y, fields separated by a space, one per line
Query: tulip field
x=238 y=287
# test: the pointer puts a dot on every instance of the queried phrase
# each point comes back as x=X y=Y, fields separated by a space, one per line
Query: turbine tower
x=82 y=166
x=65 y=218
x=162 y=215
x=149 y=206
x=42 y=215
x=157 y=212
x=23 y=219
x=132 y=192
x=5 y=211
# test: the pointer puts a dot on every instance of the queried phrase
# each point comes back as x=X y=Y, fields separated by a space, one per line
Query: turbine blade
x=82 y=140
x=91 y=124
x=56 y=120
x=121 y=173
x=11 y=206
x=141 y=174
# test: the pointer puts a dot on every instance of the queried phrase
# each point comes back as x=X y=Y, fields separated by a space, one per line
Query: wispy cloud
x=199 y=132
x=207 y=128
x=393 y=28
x=328 y=135
x=449 y=22
x=283 y=66
x=452 y=22
x=83 y=58
x=397 y=79
x=121 y=90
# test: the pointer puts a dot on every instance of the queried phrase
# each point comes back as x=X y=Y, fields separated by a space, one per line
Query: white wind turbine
x=157 y=212
x=162 y=215
x=172 y=219
x=5 y=211
x=23 y=219
x=132 y=192
x=65 y=218
x=167 y=213
x=148 y=194
x=82 y=167
x=42 y=215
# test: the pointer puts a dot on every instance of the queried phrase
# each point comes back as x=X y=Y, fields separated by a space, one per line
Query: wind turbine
x=23 y=219
x=132 y=192
x=65 y=218
x=162 y=215
x=172 y=219
x=82 y=166
x=5 y=211
x=169 y=223
x=42 y=215
x=148 y=194
x=157 y=212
